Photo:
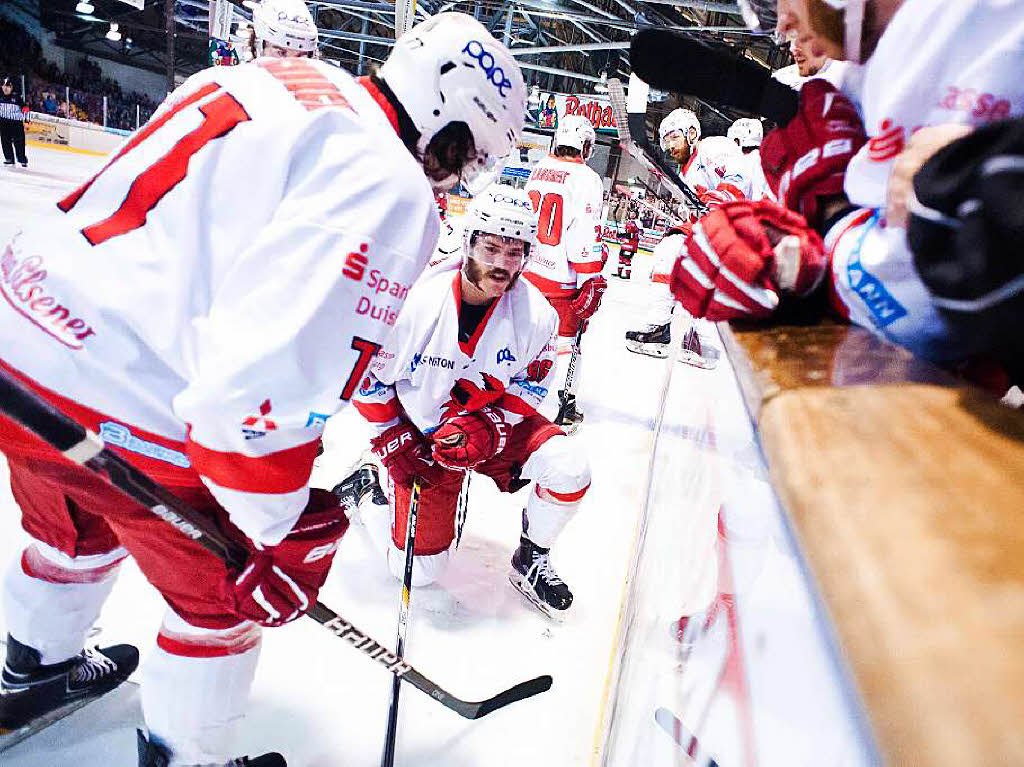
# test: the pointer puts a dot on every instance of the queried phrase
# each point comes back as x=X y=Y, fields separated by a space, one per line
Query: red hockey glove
x=742 y=256
x=806 y=159
x=467 y=439
x=405 y=453
x=281 y=582
x=587 y=299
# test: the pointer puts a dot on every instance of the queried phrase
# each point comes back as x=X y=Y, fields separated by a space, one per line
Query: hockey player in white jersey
x=282 y=29
x=717 y=169
x=207 y=344
x=834 y=162
x=748 y=133
x=456 y=388
x=567 y=262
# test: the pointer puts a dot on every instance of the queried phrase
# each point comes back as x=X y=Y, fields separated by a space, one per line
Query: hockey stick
x=78 y=444
x=570 y=375
x=462 y=509
x=669 y=61
x=405 y=16
x=633 y=139
x=390 y=736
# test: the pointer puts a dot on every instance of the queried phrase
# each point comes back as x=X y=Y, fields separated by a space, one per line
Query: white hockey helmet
x=577 y=132
x=678 y=120
x=504 y=211
x=286 y=24
x=451 y=69
x=746 y=132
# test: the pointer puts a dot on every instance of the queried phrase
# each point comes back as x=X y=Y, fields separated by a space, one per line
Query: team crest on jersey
x=316 y=420
x=466 y=396
x=505 y=355
x=256 y=426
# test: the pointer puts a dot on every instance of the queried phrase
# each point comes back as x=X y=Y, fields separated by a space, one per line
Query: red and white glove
x=405 y=453
x=742 y=256
x=281 y=582
x=806 y=159
x=468 y=439
x=587 y=298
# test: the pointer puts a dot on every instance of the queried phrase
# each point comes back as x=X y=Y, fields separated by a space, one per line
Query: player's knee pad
x=561 y=469
x=51 y=600
x=426 y=568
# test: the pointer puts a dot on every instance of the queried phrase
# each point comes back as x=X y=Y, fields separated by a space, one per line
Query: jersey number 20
x=549 y=227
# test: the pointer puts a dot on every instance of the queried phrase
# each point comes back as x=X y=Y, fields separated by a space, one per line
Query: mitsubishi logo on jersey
x=256 y=426
x=888 y=143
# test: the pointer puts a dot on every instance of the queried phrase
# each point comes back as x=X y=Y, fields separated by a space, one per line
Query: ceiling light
x=113 y=34
x=84 y=7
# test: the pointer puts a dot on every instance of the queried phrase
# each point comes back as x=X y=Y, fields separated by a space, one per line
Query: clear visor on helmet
x=497 y=252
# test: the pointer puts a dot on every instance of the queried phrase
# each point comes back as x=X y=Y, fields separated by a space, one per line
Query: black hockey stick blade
x=669 y=61
x=521 y=691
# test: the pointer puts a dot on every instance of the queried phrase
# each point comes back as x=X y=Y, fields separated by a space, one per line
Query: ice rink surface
x=322 y=704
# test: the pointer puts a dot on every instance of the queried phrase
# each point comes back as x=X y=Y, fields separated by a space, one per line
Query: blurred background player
x=213 y=395
x=13 y=114
x=629 y=243
x=282 y=29
x=566 y=264
x=456 y=389
x=748 y=133
x=719 y=172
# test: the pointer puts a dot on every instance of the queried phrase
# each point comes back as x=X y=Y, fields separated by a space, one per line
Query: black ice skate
x=694 y=351
x=535 y=578
x=568 y=417
x=153 y=755
x=653 y=342
x=31 y=691
x=363 y=482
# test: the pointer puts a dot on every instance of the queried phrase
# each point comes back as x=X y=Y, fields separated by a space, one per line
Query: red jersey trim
x=379 y=412
x=658 y=277
x=282 y=472
x=585 y=267
x=550 y=288
x=732 y=189
x=564 y=497
x=469 y=346
x=517 y=405
x=214 y=647
x=381 y=101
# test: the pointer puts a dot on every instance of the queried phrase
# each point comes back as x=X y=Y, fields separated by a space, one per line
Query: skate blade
x=706 y=361
x=633 y=346
x=519 y=584
x=10 y=738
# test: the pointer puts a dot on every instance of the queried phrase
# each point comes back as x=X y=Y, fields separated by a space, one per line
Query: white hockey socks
x=51 y=600
x=195 y=688
x=562 y=474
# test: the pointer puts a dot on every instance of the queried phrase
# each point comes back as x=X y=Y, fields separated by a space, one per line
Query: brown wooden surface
x=907 y=493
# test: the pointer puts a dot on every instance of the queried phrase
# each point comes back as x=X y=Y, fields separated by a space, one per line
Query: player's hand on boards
x=742 y=257
x=280 y=583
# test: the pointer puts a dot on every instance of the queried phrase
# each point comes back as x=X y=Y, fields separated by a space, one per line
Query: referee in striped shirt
x=13 y=113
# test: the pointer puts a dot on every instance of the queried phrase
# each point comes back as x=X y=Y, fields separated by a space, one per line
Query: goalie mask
x=500 y=228
x=576 y=132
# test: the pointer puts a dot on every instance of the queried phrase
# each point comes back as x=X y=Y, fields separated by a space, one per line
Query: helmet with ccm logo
x=501 y=210
x=451 y=69
x=286 y=24
x=678 y=120
x=577 y=132
x=747 y=132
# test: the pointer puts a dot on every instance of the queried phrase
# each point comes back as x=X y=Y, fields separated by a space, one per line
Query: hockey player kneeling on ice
x=206 y=366
x=456 y=389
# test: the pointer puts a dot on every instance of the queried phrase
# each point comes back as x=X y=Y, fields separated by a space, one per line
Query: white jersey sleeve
x=718 y=171
x=936 y=63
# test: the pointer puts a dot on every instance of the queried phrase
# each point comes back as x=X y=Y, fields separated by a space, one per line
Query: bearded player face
x=494 y=263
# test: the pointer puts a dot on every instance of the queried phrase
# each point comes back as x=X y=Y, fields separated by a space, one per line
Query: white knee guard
x=562 y=474
x=51 y=600
x=195 y=687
